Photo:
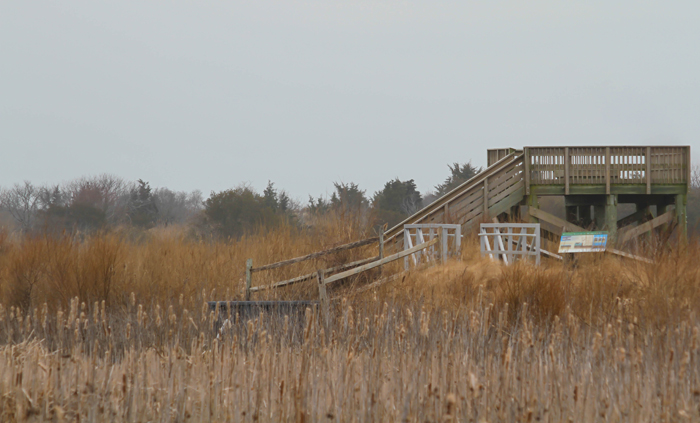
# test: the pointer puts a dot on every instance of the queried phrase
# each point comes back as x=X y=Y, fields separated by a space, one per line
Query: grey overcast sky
x=209 y=94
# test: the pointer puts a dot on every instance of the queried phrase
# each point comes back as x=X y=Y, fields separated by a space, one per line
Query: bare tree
x=22 y=202
x=108 y=193
x=177 y=206
x=695 y=177
x=411 y=204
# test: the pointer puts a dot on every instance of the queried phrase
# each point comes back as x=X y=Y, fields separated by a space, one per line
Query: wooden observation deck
x=592 y=180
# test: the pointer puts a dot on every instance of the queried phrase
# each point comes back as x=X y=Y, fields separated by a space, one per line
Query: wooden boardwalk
x=593 y=181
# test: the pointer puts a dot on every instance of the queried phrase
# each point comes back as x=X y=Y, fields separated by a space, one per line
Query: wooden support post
x=527 y=170
x=572 y=214
x=584 y=215
x=682 y=217
x=532 y=203
x=445 y=244
x=566 y=170
x=458 y=243
x=599 y=216
x=509 y=241
x=248 y=277
x=689 y=170
x=647 y=171
x=381 y=245
x=644 y=212
x=662 y=208
x=611 y=218
x=323 y=296
x=406 y=235
x=486 y=199
x=381 y=242
x=446 y=217
x=607 y=170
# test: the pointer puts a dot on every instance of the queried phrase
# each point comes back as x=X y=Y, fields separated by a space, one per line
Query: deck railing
x=607 y=165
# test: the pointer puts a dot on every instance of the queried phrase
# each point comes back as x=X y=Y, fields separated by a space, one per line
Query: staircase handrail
x=440 y=202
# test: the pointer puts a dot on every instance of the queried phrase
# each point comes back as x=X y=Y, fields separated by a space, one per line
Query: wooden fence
x=249 y=270
x=354 y=268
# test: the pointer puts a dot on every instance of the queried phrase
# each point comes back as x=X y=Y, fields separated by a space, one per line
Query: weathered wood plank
x=380 y=282
x=570 y=227
x=515 y=157
x=377 y=263
x=505 y=204
x=614 y=189
x=542 y=251
x=506 y=192
x=466 y=204
x=471 y=215
x=628 y=255
x=309 y=276
x=506 y=175
x=317 y=254
x=496 y=190
x=648 y=226
x=634 y=217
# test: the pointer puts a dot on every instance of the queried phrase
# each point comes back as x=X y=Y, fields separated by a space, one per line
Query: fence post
x=323 y=296
x=458 y=242
x=381 y=246
x=406 y=234
x=248 y=277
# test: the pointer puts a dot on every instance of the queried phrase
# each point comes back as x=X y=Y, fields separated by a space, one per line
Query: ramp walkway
x=495 y=190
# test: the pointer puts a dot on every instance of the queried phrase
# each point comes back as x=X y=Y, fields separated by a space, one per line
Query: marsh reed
x=602 y=339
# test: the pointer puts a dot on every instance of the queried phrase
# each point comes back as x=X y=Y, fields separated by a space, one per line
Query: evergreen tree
x=142 y=206
x=348 y=197
x=458 y=175
x=235 y=212
x=396 y=201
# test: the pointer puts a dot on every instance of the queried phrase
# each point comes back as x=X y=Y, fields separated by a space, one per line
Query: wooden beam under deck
x=648 y=226
x=638 y=189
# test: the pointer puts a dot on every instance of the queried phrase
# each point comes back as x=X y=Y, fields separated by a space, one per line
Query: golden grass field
x=115 y=328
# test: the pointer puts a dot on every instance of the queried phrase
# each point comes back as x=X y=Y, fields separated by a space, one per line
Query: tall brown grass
x=105 y=329
x=162 y=264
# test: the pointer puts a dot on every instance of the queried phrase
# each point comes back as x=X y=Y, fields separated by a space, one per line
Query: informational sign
x=583 y=242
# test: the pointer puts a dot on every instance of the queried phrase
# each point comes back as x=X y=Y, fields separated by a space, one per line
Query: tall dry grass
x=129 y=337
x=163 y=264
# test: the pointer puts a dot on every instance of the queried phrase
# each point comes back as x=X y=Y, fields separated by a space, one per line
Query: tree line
x=106 y=201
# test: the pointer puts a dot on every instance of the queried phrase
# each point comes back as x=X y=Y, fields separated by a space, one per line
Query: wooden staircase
x=495 y=190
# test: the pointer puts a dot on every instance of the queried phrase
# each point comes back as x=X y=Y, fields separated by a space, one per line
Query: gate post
x=323 y=296
x=248 y=277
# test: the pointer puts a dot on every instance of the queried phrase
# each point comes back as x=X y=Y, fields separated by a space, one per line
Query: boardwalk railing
x=420 y=232
x=491 y=192
x=510 y=241
x=355 y=268
x=607 y=166
x=249 y=270
x=323 y=282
